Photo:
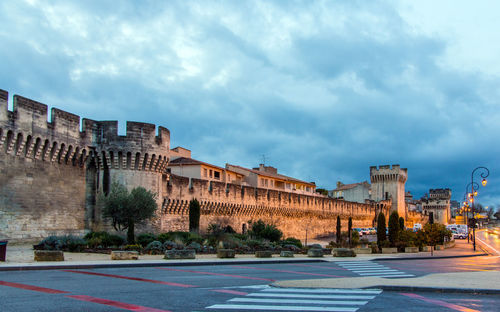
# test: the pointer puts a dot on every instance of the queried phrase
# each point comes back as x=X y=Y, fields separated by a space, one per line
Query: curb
x=146 y=264
x=414 y=289
x=430 y=257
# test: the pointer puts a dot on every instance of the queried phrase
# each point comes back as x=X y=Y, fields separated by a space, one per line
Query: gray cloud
x=323 y=89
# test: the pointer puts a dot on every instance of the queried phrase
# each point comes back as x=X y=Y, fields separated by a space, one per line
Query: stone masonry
x=53 y=173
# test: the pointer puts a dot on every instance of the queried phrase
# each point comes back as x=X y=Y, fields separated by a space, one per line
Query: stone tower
x=388 y=183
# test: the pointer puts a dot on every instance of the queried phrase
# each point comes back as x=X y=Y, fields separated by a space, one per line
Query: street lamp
x=484 y=175
x=469 y=199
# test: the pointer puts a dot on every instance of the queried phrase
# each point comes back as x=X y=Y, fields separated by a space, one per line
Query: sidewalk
x=20 y=257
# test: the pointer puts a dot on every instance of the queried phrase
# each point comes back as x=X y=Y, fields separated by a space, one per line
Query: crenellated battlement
x=388 y=173
x=26 y=131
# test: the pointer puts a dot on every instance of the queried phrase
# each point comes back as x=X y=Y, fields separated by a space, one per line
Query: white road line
x=402 y=275
x=325 y=291
x=371 y=271
x=333 y=302
x=382 y=273
x=280 y=308
x=311 y=296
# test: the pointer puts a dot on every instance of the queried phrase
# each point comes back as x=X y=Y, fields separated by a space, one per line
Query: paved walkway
x=20 y=257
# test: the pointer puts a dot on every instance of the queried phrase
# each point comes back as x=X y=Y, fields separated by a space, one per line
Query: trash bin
x=3 y=249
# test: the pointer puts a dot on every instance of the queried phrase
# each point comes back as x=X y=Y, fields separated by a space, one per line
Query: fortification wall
x=52 y=172
x=236 y=205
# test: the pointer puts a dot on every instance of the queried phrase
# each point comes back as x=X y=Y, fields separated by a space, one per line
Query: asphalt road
x=233 y=288
x=490 y=239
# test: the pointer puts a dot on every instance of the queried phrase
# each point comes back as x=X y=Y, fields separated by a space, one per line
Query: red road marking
x=440 y=303
x=130 y=278
x=219 y=274
x=233 y=292
x=34 y=288
x=117 y=304
x=285 y=271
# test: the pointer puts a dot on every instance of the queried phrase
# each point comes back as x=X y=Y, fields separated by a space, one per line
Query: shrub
x=168 y=245
x=145 y=238
x=292 y=241
x=401 y=223
x=133 y=247
x=195 y=246
x=103 y=239
x=394 y=228
x=154 y=248
x=185 y=238
x=385 y=244
x=65 y=243
x=261 y=230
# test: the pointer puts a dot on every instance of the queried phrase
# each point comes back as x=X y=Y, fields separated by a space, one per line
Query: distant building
x=411 y=203
x=438 y=203
x=269 y=178
x=355 y=192
x=192 y=168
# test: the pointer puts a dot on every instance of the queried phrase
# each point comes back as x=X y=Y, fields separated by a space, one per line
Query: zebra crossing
x=370 y=268
x=301 y=299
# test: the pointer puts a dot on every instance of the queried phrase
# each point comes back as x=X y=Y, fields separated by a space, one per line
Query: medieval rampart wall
x=52 y=172
x=235 y=205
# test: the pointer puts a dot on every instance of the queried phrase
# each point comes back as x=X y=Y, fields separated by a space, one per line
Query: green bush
x=260 y=230
x=185 y=237
x=145 y=238
x=103 y=240
x=292 y=241
x=133 y=247
x=154 y=248
x=65 y=243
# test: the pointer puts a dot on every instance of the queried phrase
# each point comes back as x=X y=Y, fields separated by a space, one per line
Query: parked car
x=460 y=235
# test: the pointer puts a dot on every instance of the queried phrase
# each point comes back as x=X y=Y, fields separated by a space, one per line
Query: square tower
x=388 y=183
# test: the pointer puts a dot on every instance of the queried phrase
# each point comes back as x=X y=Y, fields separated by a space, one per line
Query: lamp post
x=467 y=198
x=484 y=175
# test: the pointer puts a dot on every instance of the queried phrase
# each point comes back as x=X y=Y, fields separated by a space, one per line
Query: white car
x=460 y=235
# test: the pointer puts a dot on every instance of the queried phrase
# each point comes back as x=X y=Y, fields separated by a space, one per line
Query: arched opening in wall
x=137 y=159
x=256 y=193
x=210 y=187
x=68 y=154
x=27 y=146
x=243 y=228
x=19 y=141
x=145 y=161
x=38 y=142
x=74 y=159
x=106 y=183
x=268 y=196
x=111 y=160
x=61 y=151
x=289 y=197
x=129 y=160
x=151 y=165
x=52 y=151
x=1 y=133
x=242 y=192
x=7 y=141
x=120 y=160
x=45 y=149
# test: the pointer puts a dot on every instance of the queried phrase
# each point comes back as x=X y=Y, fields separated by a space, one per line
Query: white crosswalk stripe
x=368 y=268
x=301 y=299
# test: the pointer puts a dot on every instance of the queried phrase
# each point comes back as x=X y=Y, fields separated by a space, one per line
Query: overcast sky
x=323 y=89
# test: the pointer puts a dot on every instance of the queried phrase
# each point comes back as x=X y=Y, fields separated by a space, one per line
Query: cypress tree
x=194 y=215
x=394 y=228
x=339 y=233
x=401 y=223
x=349 y=231
x=381 y=229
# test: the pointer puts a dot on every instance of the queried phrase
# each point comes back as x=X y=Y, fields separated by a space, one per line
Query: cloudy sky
x=322 y=89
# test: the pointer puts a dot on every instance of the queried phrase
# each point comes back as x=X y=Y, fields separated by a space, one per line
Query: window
x=228 y=178
x=272 y=183
x=210 y=173
x=204 y=172
x=217 y=175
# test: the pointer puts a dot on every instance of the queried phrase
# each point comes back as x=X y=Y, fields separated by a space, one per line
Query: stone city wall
x=53 y=173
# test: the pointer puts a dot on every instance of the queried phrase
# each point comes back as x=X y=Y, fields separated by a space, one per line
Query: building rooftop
x=273 y=175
